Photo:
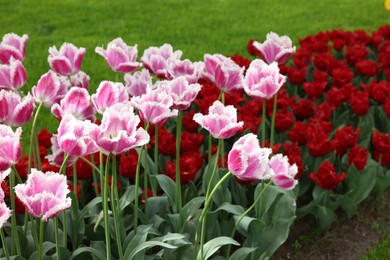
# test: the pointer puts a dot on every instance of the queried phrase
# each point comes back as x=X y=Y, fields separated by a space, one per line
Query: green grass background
x=195 y=27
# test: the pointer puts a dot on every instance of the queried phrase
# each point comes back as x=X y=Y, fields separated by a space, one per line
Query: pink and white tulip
x=138 y=83
x=10 y=149
x=156 y=59
x=190 y=70
x=80 y=79
x=50 y=89
x=221 y=121
x=283 y=172
x=118 y=130
x=15 y=110
x=66 y=61
x=58 y=155
x=154 y=107
x=119 y=56
x=44 y=194
x=182 y=93
x=5 y=214
x=74 y=136
x=76 y=102
x=247 y=161
x=263 y=81
x=210 y=64
x=14 y=46
x=275 y=48
x=229 y=76
x=13 y=75
x=108 y=94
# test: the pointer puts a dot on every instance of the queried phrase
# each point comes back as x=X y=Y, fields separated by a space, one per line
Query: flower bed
x=139 y=191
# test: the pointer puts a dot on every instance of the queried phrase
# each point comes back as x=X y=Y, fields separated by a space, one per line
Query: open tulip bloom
x=138 y=83
x=108 y=94
x=10 y=149
x=14 y=46
x=12 y=75
x=66 y=61
x=15 y=110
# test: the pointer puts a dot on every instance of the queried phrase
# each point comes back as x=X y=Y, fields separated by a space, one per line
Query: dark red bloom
x=299 y=133
x=358 y=157
x=314 y=89
x=355 y=53
x=190 y=142
x=303 y=109
x=342 y=76
x=381 y=142
x=367 y=68
x=189 y=166
x=241 y=61
x=22 y=166
x=344 y=139
x=386 y=107
x=326 y=176
x=44 y=138
x=360 y=103
x=252 y=50
x=379 y=91
x=296 y=75
x=283 y=120
x=334 y=96
x=319 y=145
x=301 y=58
x=188 y=122
x=128 y=164
x=293 y=152
x=251 y=123
x=166 y=142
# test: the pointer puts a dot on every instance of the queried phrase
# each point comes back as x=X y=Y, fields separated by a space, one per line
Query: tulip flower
x=210 y=63
x=155 y=59
x=182 y=93
x=10 y=148
x=229 y=76
x=119 y=56
x=108 y=94
x=74 y=136
x=44 y=194
x=138 y=83
x=190 y=70
x=12 y=75
x=80 y=79
x=154 y=107
x=263 y=81
x=283 y=172
x=66 y=61
x=221 y=121
x=247 y=161
x=118 y=130
x=50 y=89
x=5 y=214
x=76 y=102
x=58 y=155
x=275 y=48
x=13 y=46
x=15 y=110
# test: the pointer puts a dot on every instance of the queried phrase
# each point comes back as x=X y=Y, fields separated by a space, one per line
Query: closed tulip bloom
x=80 y=79
x=74 y=136
x=108 y=94
x=221 y=121
x=248 y=161
x=210 y=64
x=283 y=172
x=263 y=81
x=13 y=46
x=58 y=155
x=154 y=107
x=182 y=93
x=119 y=56
x=155 y=59
x=13 y=75
x=44 y=194
x=50 y=89
x=138 y=83
x=275 y=48
x=15 y=110
x=76 y=102
x=190 y=70
x=10 y=149
x=66 y=61
x=5 y=213
x=118 y=130
x=229 y=76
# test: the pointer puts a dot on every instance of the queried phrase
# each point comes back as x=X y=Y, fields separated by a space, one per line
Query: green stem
x=4 y=244
x=64 y=230
x=178 y=183
x=75 y=179
x=30 y=151
x=145 y=189
x=204 y=211
x=136 y=190
x=40 y=245
x=105 y=210
x=94 y=171
x=214 y=169
x=38 y=164
x=57 y=237
x=15 y=235
x=210 y=148
x=91 y=163
x=34 y=230
x=156 y=160
x=222 y=144
x=273 y=121
x=114 y=206
x=246 y=213
x=263 y=119
x=63 y=165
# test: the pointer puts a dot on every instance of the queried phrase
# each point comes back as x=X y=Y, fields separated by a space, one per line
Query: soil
x=347 y=239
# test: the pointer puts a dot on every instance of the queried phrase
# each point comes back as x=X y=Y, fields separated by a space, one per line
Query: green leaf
x=242 y=253
x=136 y=240
x=214 y=245
x=89 y=207
x=92 y=251
x=361 y=183
x=233 y=209
x=191 y=208
x=155 y=205
x=267 y=199
x=168 y=186
x=127 y=198
x=146 y=245
x=324 y=217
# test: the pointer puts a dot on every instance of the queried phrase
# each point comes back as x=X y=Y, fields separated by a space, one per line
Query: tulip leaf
x=190 y=209
x=99 y=254
x=242 y=253
x=146 y=245
x=168 y=186
x=214 y=245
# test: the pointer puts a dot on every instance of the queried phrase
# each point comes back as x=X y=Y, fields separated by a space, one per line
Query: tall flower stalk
x=178 y=198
